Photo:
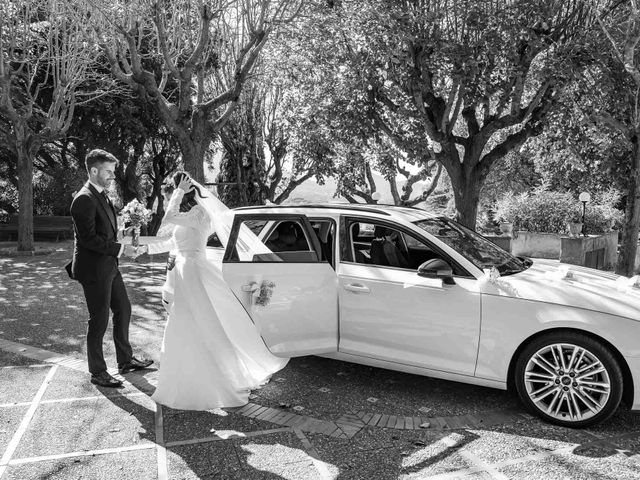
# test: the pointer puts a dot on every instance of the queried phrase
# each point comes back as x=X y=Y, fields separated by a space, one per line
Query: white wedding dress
x=212 y=354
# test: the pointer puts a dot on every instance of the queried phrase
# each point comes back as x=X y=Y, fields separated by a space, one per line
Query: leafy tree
x=621 y=26
x=243 y=158
x=130 y=129
x=269 y=146
x=461 y=82
x=205 y=49
x=328 y=83
x=44 y=63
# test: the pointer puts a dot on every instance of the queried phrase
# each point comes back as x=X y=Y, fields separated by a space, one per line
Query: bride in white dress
x=212 y=354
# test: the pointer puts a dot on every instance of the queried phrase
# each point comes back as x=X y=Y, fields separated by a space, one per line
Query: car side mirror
x=437 y=268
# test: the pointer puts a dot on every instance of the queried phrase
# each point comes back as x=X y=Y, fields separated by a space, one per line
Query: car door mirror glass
x=436 y=268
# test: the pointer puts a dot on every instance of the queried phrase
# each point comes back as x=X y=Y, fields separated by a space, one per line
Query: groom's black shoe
x=105 y=380
x=134 y=364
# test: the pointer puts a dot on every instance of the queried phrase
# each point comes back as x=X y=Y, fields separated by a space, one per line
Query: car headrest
x=288 y=236
x=355 y=230
x=323 y=234
x=380 y=232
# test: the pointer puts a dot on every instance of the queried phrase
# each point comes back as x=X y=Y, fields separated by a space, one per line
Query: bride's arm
x=196 y=217
x=159 y=244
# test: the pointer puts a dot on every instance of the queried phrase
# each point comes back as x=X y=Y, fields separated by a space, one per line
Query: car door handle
x=357 y=287
x=250 y=287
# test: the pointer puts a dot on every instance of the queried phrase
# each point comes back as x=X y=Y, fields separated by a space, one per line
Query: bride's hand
x=185 y=184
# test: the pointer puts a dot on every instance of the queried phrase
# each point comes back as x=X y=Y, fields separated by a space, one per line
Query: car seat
x=360 y=257
x=384 y=252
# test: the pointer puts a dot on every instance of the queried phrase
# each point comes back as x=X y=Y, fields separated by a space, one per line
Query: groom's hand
x=125 y=232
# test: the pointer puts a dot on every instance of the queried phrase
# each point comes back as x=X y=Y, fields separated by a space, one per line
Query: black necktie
x=110 y=213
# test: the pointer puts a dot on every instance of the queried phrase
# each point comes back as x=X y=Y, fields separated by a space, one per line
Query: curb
x=19 y=253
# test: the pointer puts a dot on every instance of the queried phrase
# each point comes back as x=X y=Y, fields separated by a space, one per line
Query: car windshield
x=474 y=247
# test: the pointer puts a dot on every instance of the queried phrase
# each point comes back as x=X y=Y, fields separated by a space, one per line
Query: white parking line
x=13 y=367
x=161 y=451
x=481 y=465
x=76 y=399
x=194 y=441
x=84 y=453
x=322 y=467
x=490 y=468
x=15 y=440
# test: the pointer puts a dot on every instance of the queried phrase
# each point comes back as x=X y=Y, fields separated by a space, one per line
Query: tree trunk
x=393 y=185
x=193 y=145
x=466 y=181
x=25 y=199
x=627 y=257
x=467 y=196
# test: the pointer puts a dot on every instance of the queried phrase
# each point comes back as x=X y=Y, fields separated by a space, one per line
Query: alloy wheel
x=567 y=382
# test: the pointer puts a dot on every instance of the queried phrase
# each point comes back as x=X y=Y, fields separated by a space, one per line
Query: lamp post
x=584 y=197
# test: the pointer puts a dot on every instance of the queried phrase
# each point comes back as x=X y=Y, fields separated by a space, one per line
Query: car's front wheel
x=569 y=379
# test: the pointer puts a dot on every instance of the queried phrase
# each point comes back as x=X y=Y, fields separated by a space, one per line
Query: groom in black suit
x=95 y=265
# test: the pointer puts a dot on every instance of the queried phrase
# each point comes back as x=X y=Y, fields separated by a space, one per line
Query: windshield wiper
x=527 y=262
x=511 y=271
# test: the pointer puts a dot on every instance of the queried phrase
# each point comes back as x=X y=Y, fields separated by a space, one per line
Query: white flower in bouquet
x=136 y=215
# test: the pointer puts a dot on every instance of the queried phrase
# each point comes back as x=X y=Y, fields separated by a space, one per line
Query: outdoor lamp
x=375 y=196
x=584 y=197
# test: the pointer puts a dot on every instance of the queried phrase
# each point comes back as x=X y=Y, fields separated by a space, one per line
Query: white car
x=402 y=289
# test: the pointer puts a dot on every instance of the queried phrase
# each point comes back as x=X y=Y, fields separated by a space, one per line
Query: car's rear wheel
x=569 y=379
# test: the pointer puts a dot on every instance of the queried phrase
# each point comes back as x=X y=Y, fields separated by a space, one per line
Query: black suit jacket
x=95 y=250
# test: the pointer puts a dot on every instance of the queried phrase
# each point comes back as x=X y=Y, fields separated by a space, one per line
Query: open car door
x=289 y=291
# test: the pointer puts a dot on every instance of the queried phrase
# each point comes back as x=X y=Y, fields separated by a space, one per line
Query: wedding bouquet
x=264 y=293
x=135 y=215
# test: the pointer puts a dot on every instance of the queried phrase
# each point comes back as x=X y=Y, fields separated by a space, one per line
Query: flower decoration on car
x=264 y=293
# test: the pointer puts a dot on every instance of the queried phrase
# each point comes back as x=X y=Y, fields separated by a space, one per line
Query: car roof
x=409 y=214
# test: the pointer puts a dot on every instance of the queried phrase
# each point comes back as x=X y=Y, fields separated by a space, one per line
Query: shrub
x=544 y=212
x=601 y=214
x=550 y=212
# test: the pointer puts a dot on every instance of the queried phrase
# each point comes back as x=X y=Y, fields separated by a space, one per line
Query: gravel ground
x=329 y=388
x=40 y=306
x=119 y=466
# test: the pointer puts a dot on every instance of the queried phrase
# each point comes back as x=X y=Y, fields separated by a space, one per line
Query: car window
x=287 y=236
x=385 y=246
x=287 y=242
x=325 y=230
x=256 y=226
x=474 y=247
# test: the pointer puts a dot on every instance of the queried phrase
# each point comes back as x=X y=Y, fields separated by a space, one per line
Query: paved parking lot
x=316 y=419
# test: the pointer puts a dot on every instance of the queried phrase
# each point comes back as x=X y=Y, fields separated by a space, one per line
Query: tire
x=582 y=387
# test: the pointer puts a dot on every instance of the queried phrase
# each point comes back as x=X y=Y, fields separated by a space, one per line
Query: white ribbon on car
x=625 y=284
x=493 y=278
x=563 y=272
x=490 y=275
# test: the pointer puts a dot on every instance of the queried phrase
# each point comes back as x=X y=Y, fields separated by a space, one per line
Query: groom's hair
x=97 y=157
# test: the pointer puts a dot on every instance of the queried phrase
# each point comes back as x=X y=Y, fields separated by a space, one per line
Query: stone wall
x=601 y=249
x=596 y=251
x=537 y=245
